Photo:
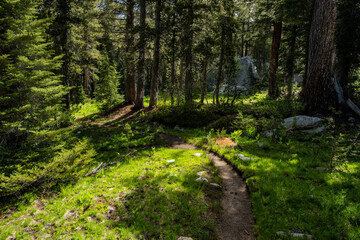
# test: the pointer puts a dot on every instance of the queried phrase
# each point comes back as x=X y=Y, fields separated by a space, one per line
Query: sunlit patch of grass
x=294 y=184
x=144 y=197
x=89 y=108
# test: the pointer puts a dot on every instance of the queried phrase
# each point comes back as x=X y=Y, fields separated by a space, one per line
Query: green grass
x=143 y=197
x=288 y=190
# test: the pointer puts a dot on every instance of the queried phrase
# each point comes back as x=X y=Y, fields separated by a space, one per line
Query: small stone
x=215 y=185
x=260 y=144
x=201 y=179
x=184 y=238
x=296 y=234
x=170 y=161
x=268 y=133
x=201 y=173
x=243 y=158
x=174 y=175
x=198 y=154
x=78 y=132
x=110 y=189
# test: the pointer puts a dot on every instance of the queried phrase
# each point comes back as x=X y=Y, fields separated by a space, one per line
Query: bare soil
x=236 y=219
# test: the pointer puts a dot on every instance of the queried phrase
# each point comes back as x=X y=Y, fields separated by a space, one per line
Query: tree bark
x=318 y=91
x=204 y=87
x=139 y=103
x=188 y=34
x=154 y=88
x=220 y=69
x=173 y=52
x=274 y=59
x=242 y=40
x=181 y=80
x=290 y=61
x=130 y=85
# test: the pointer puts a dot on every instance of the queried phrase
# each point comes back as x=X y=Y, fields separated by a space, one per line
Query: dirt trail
x=236 y=220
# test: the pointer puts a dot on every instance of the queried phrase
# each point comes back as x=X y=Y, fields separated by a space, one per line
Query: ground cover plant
x=298 y=182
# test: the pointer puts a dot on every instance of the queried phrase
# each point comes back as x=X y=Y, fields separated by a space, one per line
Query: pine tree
x=106 y=88
x=30 y=92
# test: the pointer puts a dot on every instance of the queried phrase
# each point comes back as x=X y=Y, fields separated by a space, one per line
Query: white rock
x=315 y=130
x=198 y=154
x=174 y=175
x=295 y=234
x=184 y=238
x=201 y=179
x=302 y=122
x=260 y=144
x=242 y=157
x=171 y=161
x=215 y=185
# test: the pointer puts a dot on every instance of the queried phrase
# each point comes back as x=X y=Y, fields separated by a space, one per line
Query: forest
x=180 y=119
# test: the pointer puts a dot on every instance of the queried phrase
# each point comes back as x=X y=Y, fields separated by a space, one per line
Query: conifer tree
x=30 y=92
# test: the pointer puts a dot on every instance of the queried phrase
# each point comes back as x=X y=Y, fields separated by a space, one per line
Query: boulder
x=302 y=122
x=244 y=77
x=315 y=130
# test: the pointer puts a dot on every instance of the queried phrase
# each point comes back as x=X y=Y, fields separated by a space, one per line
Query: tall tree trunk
x=204 y=87
x=173 y=73
x=188 y=34
x=221 y=64
x=181 y=80
x=274 y=59
x=62 y=46
x=154 y=88
x=318 y=91
x=130 y=85
x=290 y=61
x=139 y=103
x=242 y=40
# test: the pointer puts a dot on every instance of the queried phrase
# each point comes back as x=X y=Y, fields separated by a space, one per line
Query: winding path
x=236 y=219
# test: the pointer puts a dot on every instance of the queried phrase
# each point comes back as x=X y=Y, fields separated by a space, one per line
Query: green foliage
x=68 y=165
x=31 y=93
x=142 y=195
x=197 y=116
x=106 y=87
x=293 y=185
